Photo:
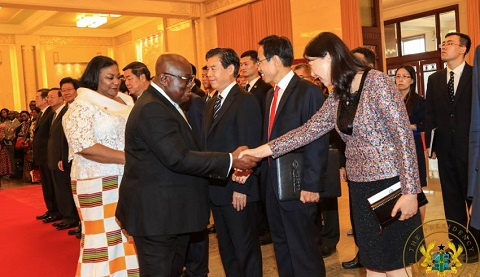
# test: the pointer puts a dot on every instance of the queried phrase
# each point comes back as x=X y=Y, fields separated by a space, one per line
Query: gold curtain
x=351 y=23
x=473 y=24
x=242 y=28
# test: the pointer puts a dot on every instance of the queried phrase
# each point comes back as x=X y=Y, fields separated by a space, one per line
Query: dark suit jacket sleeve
x=418 y=113
x=162 y=135
x=195 y=117
x=430 y=114
x=316 y=153
x=249 y=122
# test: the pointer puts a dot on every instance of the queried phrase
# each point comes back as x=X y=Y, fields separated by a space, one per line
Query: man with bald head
x=163 y=197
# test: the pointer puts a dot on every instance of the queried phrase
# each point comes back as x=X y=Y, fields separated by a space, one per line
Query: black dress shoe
x=43 y=216
x=327 y=252
x=75 y=231
x=355 y=263
x=64 y=226
x=55 y=224
x=51 y=219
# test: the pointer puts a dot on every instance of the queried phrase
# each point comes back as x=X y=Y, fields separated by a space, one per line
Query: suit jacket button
x=452 y=115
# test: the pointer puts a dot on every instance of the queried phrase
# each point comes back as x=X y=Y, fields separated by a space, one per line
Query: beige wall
x=6 y=85
x=311 y=17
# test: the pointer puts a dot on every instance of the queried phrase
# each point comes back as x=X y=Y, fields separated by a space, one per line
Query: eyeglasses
x=259 y=62
x=448 y=43
x=188 y=79
x=402 y=77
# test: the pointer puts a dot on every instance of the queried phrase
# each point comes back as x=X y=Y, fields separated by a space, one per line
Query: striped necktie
x=217 y=105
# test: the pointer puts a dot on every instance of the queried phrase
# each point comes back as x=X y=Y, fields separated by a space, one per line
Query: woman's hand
x=260 y=152
x=407 y=204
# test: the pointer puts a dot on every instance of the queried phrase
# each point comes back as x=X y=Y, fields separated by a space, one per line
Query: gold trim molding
x=7 y=39
x=215 y=7
x=124 y=38
x=75 y=41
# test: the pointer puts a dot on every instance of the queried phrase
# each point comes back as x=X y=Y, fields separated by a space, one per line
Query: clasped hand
x=243 y=162
x=407 y=204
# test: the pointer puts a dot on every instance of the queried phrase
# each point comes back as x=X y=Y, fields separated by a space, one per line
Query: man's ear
x=277 y=60
x=163 y=79
x=231 y=69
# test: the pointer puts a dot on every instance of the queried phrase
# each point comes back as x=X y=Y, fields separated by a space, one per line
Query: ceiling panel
x=14 y=16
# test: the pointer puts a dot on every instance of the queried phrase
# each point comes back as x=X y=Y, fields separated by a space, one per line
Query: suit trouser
x=161 y=256
x=64 y=196
x=330 y=229
x=295 y=236
x=48 y=190
x=453 y=171
x=238 y=240
x=196 y=259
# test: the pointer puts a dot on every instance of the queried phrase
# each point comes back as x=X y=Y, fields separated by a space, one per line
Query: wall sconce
x=55 y=57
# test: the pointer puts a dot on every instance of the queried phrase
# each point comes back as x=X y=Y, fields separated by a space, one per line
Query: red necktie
x=273 y=109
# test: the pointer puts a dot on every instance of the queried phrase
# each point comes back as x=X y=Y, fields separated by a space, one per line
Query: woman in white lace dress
x=94 y=126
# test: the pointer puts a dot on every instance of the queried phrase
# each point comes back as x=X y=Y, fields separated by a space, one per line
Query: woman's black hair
x=413 y=75
x=91 y=74
x=344 y=66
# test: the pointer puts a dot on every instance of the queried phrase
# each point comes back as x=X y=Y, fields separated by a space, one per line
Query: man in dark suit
x=231 y=119
x=448 y=109
x=58 y=163
x=40 y=155
x=255 y=85
x=474 y=153
x=162 y=198
x=289 y=105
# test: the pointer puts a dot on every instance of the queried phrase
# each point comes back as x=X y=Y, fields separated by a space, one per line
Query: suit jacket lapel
x=60 y=114
x=290 y=88
x=226 y=103
x=268 y=103
x=443 y=88
x=162 y=98
x=207 y=118
x=466 y=76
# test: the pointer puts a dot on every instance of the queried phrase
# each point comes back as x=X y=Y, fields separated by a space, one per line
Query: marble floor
x=346 y=249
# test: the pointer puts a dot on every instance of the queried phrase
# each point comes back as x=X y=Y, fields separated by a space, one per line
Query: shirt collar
x=285 y=80
x=226 y=91
x=57 y=111
x=253 y=82
x=164 y=94
x=458 y=70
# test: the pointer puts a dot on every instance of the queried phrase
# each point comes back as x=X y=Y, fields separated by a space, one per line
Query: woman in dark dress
x=405 y=79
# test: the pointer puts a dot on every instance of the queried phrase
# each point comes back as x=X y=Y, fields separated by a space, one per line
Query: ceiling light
x=115 y=15
x=91 y=21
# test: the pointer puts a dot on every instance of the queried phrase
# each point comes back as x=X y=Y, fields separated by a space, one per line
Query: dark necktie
x=273 y=110
x=451 y=88
x=217 y=105
x=247 y=87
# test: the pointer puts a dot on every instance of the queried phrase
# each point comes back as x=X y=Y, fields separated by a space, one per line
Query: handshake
x=244 y=160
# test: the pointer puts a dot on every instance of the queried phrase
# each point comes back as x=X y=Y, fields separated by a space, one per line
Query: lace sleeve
x=78 y=126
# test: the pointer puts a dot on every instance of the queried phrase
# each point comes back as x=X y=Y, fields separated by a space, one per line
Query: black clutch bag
x=382 y=205
x=290 y=172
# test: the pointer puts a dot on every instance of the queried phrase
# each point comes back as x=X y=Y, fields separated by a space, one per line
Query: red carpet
x=29 y=247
